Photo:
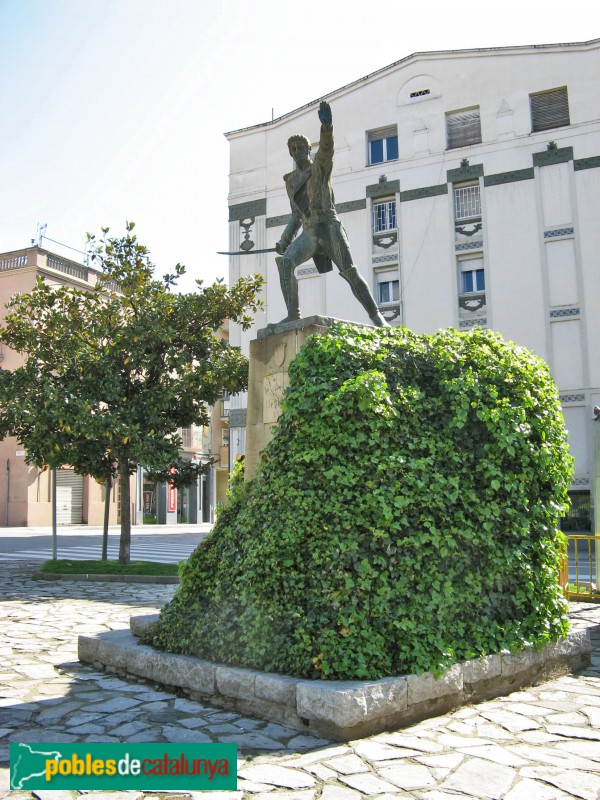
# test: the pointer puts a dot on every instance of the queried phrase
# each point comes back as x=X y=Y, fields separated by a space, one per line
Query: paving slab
x=547 y=749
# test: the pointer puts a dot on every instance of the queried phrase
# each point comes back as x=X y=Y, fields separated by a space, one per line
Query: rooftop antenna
x=39 y=234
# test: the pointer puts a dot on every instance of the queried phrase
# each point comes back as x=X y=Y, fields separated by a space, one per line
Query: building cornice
x=433 y=55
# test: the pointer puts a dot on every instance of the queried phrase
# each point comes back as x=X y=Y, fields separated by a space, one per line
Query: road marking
x=140 y=551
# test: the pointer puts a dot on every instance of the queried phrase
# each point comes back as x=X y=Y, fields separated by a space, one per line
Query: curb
x=338 y=710
x=63 y=576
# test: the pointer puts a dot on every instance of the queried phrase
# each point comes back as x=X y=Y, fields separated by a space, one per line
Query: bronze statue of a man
x=323 y=237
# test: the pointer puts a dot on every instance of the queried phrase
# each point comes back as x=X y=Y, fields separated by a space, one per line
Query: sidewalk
x=540 y=744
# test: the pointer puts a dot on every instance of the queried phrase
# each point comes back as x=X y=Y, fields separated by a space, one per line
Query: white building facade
x=469 y=186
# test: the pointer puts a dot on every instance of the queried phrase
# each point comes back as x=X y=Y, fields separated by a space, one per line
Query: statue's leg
x=339 y=249
x=289 y=287
x=361 y=291
x=299 y=251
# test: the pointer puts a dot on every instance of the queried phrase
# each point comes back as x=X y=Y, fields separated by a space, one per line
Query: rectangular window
x=467 y=202
x=388 y=292
x=383 y=145
x=549 y=109
x=384 y=216
x=463 y=127
x=388 y=287
x=473 y=281
x=472 y=275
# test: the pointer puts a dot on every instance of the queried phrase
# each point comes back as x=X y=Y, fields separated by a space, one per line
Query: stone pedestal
x=270 y=356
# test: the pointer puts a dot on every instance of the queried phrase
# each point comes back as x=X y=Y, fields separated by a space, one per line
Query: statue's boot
x=361 y=291
x=289 y=288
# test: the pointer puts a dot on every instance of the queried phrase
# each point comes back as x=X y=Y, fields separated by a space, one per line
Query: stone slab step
x=339 y=710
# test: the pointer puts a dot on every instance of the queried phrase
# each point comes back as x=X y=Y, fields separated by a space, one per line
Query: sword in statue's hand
x=247 y=252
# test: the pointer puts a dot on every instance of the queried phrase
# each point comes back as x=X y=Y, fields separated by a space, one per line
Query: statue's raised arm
x=323 y=237
x=325 y=113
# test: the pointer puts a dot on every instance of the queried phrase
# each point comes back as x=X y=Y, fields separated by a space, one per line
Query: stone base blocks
x=338 y=710
x=270 y=356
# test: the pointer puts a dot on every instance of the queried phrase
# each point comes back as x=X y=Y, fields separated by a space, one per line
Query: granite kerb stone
x=140 y=623
x=106 y=578
x=339 y=710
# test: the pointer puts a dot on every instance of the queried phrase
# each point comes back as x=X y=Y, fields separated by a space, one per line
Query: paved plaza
x=540 y=744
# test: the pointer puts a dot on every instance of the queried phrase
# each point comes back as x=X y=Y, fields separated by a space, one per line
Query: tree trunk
x=125 y=542
x=108 y=485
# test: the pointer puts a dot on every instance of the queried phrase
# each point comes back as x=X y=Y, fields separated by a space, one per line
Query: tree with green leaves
x=113 y=372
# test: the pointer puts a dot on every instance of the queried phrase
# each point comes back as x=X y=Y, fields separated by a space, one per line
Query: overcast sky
x=115 y=110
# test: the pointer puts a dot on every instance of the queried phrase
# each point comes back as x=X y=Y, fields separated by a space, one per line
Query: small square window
x=463 y=127
x=388 y=287
x=473 y=281
x=384 y=216
x=383 y=145
x=472 y=275
x=467 y=202
x=388 y=292
x=549 y=109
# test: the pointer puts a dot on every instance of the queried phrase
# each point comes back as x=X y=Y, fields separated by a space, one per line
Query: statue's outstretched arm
x=325 y=114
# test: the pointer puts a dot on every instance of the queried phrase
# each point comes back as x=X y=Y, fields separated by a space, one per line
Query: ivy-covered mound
x=404 y=516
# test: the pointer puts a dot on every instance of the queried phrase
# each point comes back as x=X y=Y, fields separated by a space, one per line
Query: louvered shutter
x=69 y=497
x=463 y=128
x=549 y=109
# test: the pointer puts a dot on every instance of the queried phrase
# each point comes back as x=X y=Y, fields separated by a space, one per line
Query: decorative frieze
x=384 y=259
x=351 y=205
x=468 y=172
x=573 y=397
x=586 y=163
x=472 y=323
x=581 y=482
x=303 y=273
x=556 y=232
x=246 y=226
x=470 y=246
x=558 y=155
x=383 y=188
x=390 y=313
x=277 y=222
x=253 y=208
x=560 y=313
x=385 y=240
x=422 y=193
x=471 y=302
x=509 y=177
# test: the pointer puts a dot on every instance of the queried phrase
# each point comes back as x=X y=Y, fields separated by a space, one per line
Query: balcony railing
x=68 y=267
x=13 y=261
x=579 y=576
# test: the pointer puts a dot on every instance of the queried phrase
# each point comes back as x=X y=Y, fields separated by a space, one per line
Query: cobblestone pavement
x=540 y=744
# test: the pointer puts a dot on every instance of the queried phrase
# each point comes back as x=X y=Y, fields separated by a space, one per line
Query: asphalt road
x=168 y=544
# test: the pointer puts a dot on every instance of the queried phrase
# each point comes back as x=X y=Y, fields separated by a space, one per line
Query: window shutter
x=383 y=133
x=463 y=128
x=549 y=109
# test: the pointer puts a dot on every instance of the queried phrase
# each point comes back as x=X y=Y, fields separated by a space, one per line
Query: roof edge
x=413 y=56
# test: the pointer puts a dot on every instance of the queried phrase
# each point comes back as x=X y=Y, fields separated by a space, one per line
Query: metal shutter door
x=69 y=497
